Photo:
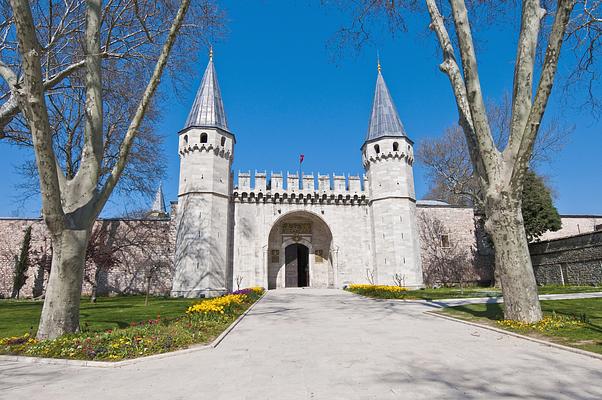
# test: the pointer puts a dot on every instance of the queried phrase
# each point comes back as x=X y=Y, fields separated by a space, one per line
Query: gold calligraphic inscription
x=296 y=229
x=275 y=255
x=319 y=256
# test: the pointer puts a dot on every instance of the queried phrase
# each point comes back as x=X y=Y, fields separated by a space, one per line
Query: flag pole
x=301 y=158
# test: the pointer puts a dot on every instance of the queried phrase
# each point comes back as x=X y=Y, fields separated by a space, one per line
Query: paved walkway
x=329 y=344
x=500 y=299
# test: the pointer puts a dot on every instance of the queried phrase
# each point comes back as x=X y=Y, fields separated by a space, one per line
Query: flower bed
x=549 y=323
x=200 y=323
x=379 y=291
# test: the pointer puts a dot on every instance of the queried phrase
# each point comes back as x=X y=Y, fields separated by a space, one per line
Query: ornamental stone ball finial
x=378 y=62
x=211 y=52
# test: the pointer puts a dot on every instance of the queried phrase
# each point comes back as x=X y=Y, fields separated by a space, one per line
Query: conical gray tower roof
x=208 y=108
x=159 y=202
x=384 y=120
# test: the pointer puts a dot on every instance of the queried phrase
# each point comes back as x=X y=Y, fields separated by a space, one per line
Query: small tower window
x=223 y=141
x=185 y=139
x=377 y=148
x=203 y=138
x=395 y=146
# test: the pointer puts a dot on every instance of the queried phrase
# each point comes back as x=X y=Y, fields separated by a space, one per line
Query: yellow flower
x=216 y=305
x=383 y=288
x=547 y=323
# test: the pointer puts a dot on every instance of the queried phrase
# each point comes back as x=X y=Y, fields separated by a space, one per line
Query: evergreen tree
x=21 y=264
x=539 y=213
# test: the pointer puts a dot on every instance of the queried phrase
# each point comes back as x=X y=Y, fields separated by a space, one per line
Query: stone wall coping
x=422 y=205
x=545 y=242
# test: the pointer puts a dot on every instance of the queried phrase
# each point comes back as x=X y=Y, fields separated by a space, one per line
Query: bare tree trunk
x=95 y=284
x=70 y=206
x=148 y=282
x=512 y=258
x=60 y=313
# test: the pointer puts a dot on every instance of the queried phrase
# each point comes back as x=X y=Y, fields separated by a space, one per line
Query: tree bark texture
x=512 y=259
x=60 y=313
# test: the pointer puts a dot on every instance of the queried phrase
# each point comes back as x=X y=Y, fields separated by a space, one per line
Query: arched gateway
x=299 y=252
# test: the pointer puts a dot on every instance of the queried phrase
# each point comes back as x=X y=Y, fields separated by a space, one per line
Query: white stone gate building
x=293 y=231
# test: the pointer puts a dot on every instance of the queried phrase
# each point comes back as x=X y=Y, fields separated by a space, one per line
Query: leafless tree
x=130 y=35
x=399 y=280
x=445 y=261
x=64 y=65
x=134 y=246
x=239 y=280
x=370 y=276
x=448 y=163
x=544 y=26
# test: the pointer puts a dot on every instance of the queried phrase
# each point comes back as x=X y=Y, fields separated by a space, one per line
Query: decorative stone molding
x=396 y=155
x=207 y=147
x=299 y=198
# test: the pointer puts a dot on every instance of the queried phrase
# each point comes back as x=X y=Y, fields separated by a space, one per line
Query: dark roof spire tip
x=384 y=120
x=208 y=107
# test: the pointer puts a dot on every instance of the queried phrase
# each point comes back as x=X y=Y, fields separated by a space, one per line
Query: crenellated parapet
x=217 y=150
x=275 y=187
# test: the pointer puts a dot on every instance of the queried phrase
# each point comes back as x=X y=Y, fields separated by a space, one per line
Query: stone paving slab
x=330 y=344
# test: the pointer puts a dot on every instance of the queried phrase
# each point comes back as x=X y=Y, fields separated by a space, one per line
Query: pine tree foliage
x=21 y=264
x=539 y=213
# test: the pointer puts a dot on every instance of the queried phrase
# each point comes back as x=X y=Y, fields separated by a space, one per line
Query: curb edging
x=518 y=335
x=118 y=364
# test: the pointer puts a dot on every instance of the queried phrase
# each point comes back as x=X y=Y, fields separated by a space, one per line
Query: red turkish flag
x=301 y=158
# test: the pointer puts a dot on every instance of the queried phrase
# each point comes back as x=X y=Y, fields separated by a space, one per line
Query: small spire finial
x=378 y=62
x=211 y=52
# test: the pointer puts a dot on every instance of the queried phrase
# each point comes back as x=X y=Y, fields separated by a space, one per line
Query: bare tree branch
x=141 y=110
x=31 y=100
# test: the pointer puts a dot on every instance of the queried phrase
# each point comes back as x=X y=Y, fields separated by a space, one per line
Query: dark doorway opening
x=297 y=265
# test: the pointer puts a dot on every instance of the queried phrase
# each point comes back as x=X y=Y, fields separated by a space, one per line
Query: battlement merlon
x=276 y=182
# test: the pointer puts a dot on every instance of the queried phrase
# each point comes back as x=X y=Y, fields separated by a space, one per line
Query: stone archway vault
x=311 y=231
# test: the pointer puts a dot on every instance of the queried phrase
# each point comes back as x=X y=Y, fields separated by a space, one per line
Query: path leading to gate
x=330 y=344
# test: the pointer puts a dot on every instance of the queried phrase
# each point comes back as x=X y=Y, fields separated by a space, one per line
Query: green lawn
x=453 y=293
x=586 y=336
x=20 y=316
x=557 y=289
x=120 y=328
x=448 y=293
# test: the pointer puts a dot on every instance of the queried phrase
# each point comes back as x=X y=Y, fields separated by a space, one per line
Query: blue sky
x=284 y=95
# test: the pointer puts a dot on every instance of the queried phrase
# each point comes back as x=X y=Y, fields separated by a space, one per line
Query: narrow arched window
x=223 y=141
x=395 y=146
x=377 y=148
x=203 y=138
x=185 y=139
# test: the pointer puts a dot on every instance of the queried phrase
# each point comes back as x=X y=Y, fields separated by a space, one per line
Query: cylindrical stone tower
x=203 y=218
x=387 y=156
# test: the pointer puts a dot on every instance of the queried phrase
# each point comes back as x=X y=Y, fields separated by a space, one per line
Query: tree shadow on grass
x=492 y=311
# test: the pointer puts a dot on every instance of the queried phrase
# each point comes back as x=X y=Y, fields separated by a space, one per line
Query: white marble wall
x=203 y=240
x=256 y=234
